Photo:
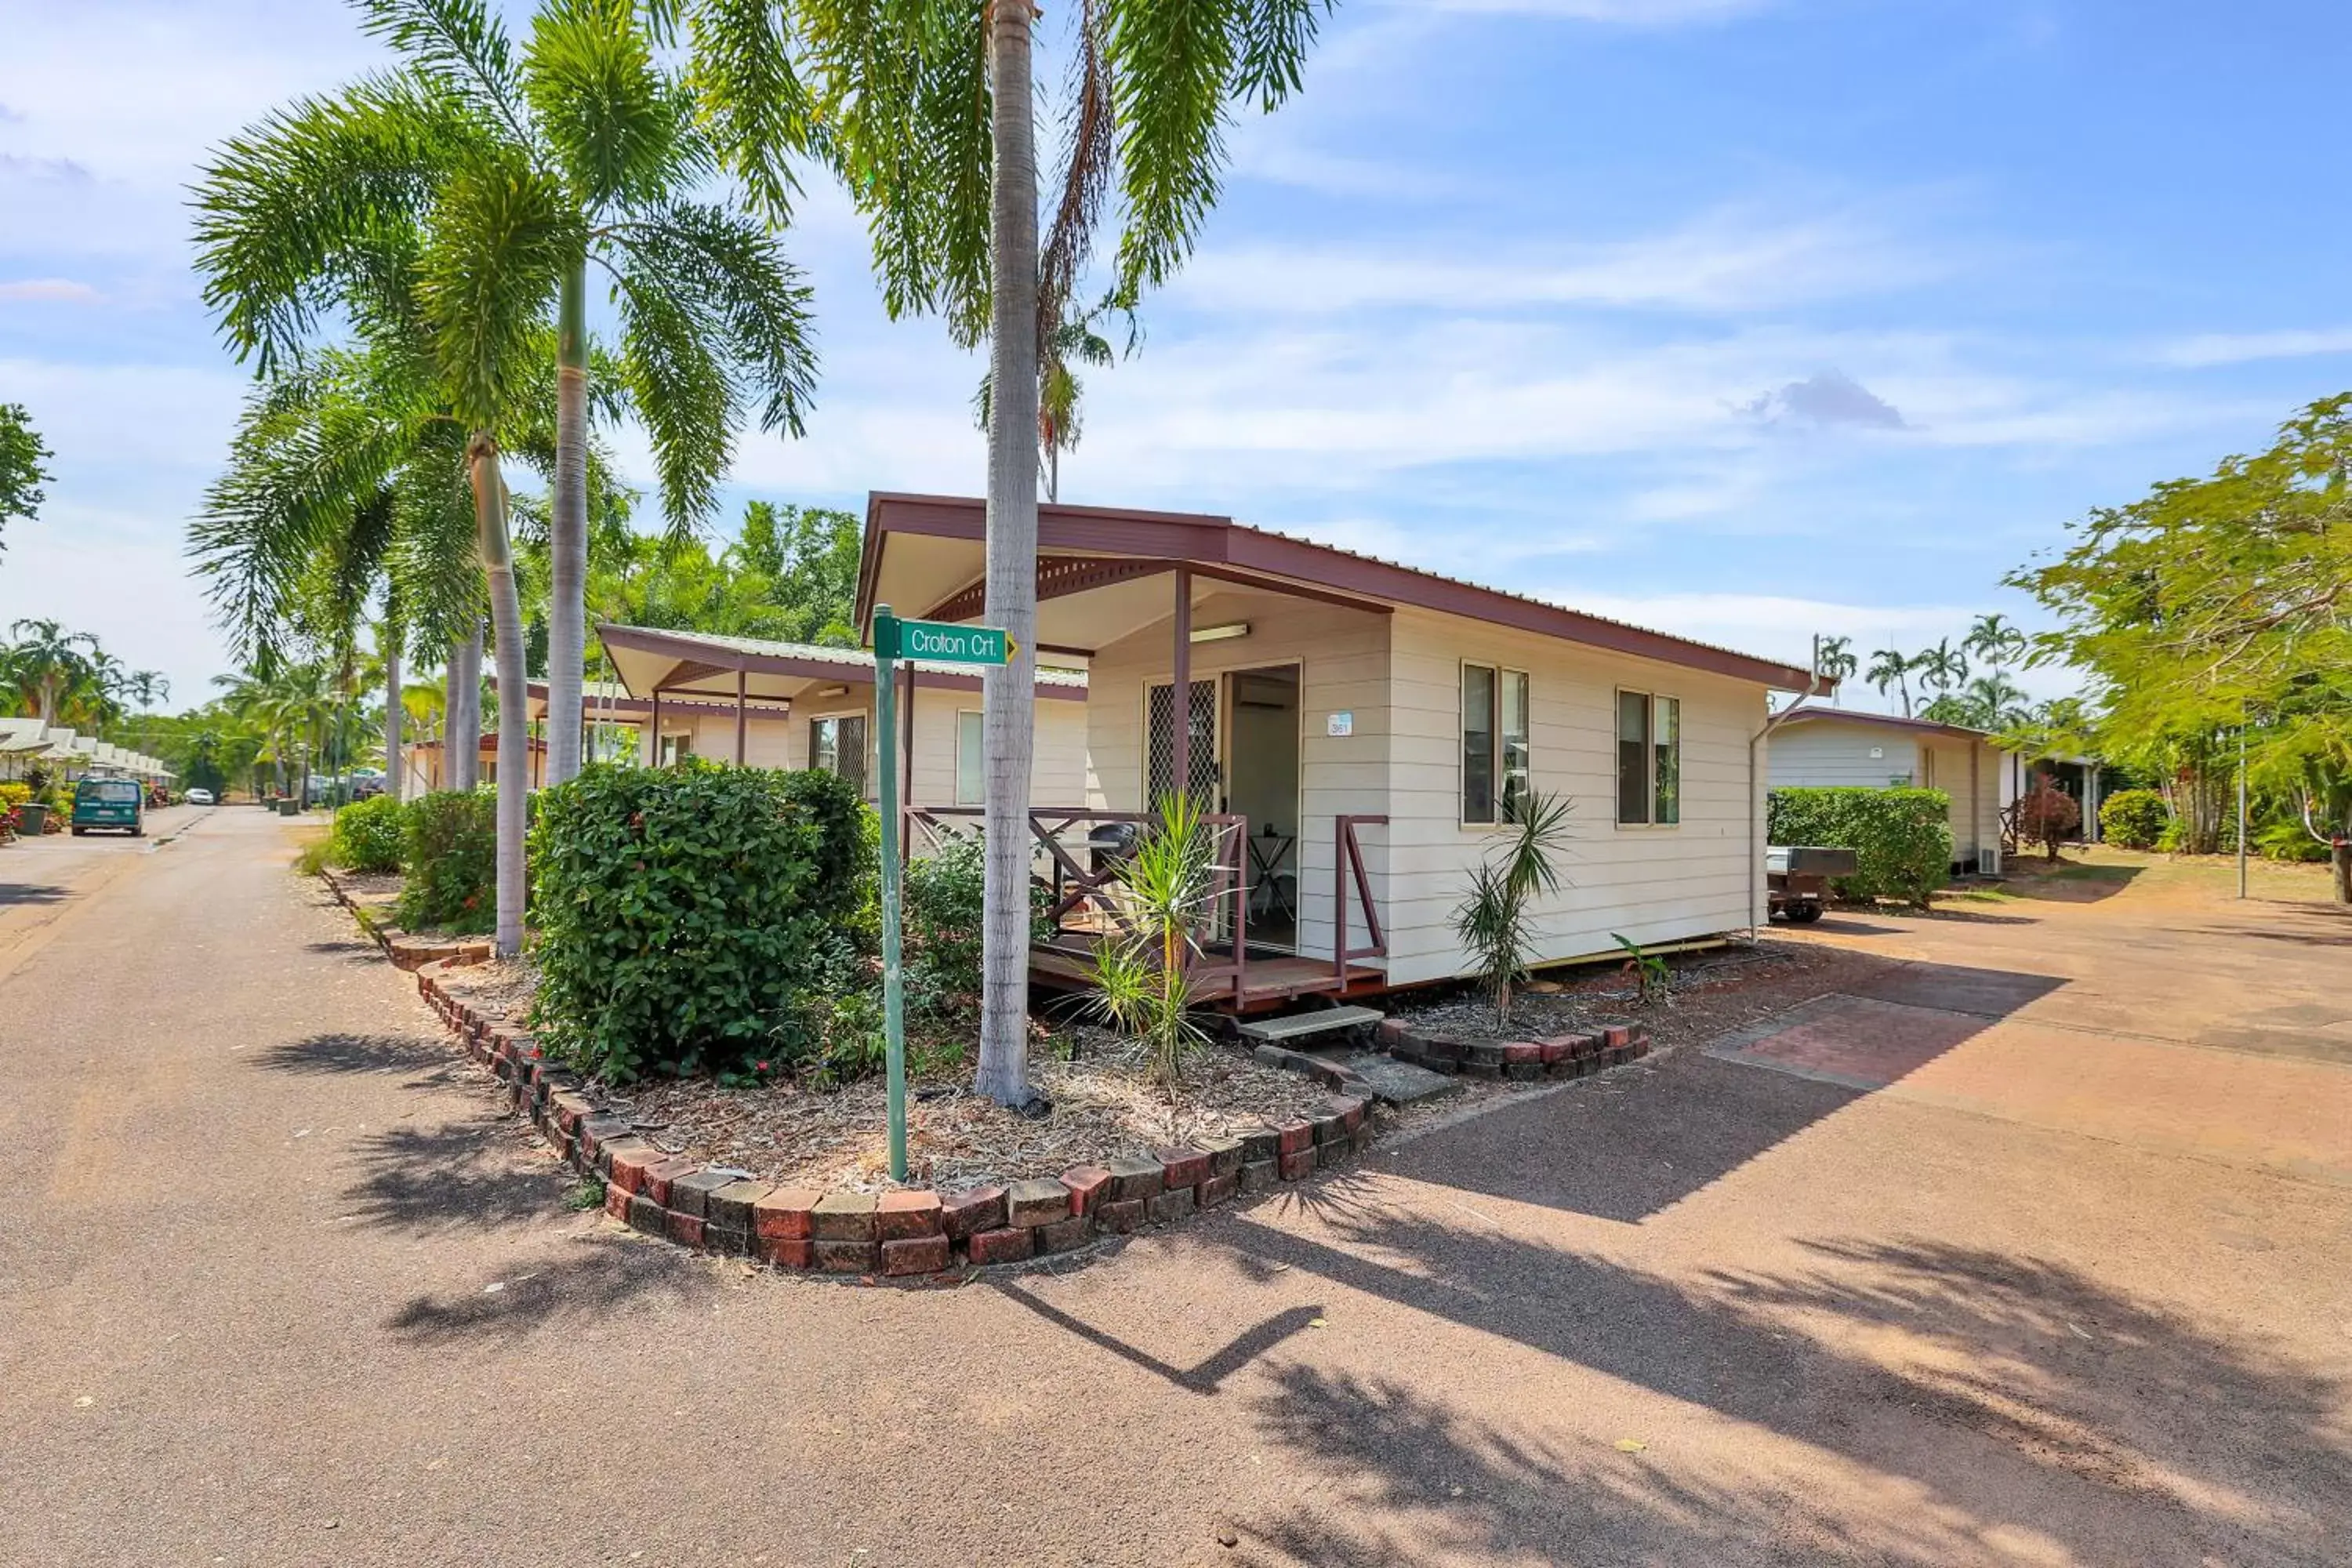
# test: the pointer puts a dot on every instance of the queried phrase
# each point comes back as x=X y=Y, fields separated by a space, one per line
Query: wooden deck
x=1068 y=964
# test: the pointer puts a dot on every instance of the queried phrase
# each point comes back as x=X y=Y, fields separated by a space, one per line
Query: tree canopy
x=22 y=453
x=2221 y=605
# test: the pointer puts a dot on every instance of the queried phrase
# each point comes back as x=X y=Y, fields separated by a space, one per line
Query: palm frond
x=750 y=298
x=1171 y=62
x=1090 y=159
x=754 y=108
x=683 y=392
x=620 y=126
x=500 y=234
x=316 y=208
x=457 y=45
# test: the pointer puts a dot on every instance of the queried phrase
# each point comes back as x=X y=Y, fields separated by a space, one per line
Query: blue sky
x=1745 y=319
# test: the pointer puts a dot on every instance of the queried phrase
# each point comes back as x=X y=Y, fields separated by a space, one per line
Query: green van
x=109 y=803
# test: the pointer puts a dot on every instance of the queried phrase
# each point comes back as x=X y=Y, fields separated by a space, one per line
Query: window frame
x=1651 y=746
x=839 y=723
x=1499 y=772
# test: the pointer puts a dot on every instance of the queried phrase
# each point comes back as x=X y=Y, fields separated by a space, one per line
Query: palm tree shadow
x=612 y=1273
x=345 y=1053
x=1982 y=1385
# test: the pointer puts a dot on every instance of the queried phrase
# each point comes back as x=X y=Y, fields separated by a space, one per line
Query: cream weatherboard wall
x=1827 y=752
x=1653 y=885
x=1821 y=754
x=1058 y=771
x=1946 y=764
x=1342 y=659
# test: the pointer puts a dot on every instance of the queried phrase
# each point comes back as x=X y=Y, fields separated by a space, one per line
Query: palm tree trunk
x=567 y=631
x=514 y=709
x=1009 y=705
x=461 y=708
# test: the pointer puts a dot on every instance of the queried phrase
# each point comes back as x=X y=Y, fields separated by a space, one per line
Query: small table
x=1270 y=884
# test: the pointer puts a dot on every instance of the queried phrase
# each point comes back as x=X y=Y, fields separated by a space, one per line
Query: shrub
x=2133 y=818
x=368 y=834
x=1902 y=838
x=15 y=793
x=449 y=843
x=2047 y=815
x=697 y=918
x=943 y=928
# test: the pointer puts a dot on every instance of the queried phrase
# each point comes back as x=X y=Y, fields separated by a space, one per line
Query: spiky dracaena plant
x=1142 y=973
x=1496 y=919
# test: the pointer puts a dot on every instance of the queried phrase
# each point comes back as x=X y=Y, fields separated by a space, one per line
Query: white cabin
x=1818 y=747
x=1357 y=726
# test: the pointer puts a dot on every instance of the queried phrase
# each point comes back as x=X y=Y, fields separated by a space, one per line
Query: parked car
x=200 y=797
x=109 y=803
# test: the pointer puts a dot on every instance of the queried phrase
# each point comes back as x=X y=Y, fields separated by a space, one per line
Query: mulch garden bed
x=1103 y=1105
x=1711 y=991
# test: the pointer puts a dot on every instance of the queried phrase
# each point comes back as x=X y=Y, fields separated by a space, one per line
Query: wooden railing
x=1348 y=865
x=1076 y=885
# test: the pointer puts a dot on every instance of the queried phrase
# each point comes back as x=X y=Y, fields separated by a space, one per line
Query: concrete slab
x=1398 y=1083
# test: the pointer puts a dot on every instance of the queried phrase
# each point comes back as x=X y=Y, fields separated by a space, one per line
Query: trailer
x=1797 y=878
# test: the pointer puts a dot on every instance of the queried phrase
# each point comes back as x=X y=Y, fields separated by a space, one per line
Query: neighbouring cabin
x=794 y=705
x=1358 y=728
x=425 y=765
x=1818 y=747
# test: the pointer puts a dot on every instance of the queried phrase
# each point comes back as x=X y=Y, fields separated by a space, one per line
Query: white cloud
x=2241 y=348
x=54 y=289
x=1729 y=261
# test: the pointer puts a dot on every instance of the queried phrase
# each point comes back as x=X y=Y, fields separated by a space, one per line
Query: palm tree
x=345 y=482
x=1942 y=667
x=928 y=111
x=1834 y=660
x=1995 y=703
x=1994 y=639
x=148 y=688
x=596 y=137
x=48 y=663
x=442 y=207
x=1892 y=667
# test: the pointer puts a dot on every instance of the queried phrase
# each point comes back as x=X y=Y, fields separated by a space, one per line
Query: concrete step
x=1307 y=1025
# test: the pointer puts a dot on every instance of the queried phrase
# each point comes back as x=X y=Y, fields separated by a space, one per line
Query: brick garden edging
x=910 y=1234
x=1576 y=1054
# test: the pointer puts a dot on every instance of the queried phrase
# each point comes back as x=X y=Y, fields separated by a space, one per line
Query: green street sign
x=939 y=642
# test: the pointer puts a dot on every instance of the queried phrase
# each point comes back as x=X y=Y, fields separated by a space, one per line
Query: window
x=972 y=778
x=1649 y=760
x=1494 y=742
x=838 y=746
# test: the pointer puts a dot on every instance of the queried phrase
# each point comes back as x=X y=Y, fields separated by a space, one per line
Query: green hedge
x=693 y=919
x=2133 y=818
x=368 y=834
x=449 y=844
x=1902 y=837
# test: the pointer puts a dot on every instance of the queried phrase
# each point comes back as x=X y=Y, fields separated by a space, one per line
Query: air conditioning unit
x=1989 y=861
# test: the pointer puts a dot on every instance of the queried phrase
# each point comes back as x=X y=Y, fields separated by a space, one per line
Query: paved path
x=277 y=1288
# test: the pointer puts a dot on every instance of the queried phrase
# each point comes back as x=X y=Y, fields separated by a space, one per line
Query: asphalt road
x=277 y=1287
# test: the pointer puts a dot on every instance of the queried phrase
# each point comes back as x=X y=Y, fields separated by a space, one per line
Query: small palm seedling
x=1141 y=972
x=1496 y=920
x=1649 y=971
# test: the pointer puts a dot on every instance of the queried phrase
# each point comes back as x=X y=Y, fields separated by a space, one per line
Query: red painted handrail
x=1347 y=858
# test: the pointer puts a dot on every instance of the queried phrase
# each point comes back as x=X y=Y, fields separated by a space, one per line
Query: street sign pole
x=944 y=643
x=894 y=1000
